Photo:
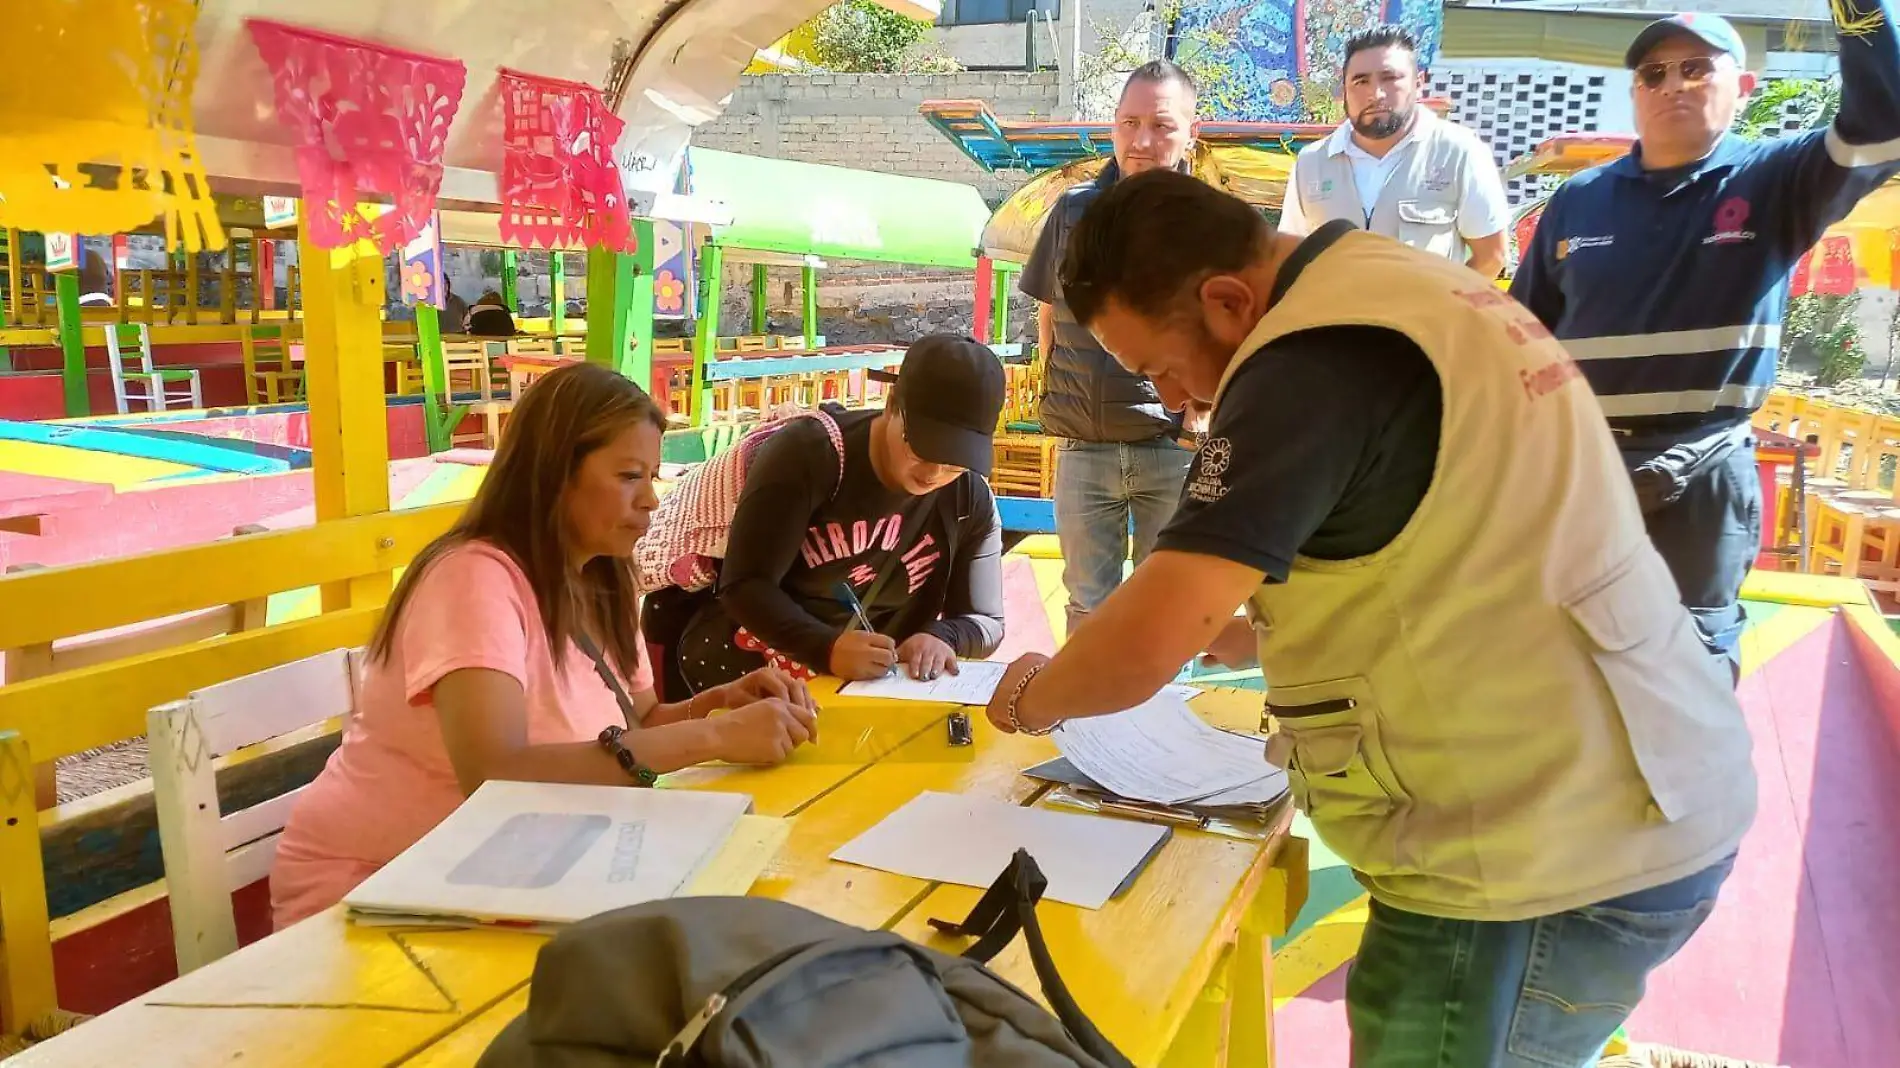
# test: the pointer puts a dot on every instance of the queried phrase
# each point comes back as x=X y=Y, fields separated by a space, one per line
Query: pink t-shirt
x=390 y=781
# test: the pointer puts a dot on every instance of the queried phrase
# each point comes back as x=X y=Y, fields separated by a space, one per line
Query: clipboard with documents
x=1161 y=762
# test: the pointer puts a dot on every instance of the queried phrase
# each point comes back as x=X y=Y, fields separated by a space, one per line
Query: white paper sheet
x=973 y=684
x=553 y=853
x=956 y=838
x=1261 y=791
x=1161 y=751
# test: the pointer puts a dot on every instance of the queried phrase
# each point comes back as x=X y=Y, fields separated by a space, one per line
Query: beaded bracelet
x=640 y=773
x=1015 y=698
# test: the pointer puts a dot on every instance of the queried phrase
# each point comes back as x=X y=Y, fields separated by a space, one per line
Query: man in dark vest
x=1120 y=457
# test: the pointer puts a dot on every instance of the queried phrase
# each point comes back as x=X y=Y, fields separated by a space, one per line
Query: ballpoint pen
x=850 y=600
x=859 y=619
x=1159 y=813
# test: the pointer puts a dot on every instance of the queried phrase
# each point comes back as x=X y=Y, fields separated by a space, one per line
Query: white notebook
x=957 y=838
x=547 y=854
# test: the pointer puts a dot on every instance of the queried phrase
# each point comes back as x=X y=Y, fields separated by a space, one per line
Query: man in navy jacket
x=1666 y=276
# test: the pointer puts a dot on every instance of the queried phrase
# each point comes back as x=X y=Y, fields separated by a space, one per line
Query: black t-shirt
x=930 y=563
x=1323 y=445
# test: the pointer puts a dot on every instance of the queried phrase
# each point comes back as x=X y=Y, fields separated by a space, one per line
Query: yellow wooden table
x=1175 y=971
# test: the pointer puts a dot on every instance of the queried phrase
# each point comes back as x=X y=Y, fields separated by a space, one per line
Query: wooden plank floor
x=1800 y=964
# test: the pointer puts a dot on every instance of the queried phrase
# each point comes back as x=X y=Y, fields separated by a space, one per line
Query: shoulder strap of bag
x=836 y=437
x=1009 y=906
x=607 y=676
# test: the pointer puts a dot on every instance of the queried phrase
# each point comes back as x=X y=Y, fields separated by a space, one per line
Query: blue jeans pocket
x=1588 y=968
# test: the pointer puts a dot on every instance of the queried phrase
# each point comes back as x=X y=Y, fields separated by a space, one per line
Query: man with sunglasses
x=1666 y=272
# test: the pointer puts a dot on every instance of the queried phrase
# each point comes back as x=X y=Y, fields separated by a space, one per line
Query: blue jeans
x=1099 y=489
x=1548 y=992
x=1709 y=536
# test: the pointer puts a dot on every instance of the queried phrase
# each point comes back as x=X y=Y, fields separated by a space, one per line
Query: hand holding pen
x=860 y=652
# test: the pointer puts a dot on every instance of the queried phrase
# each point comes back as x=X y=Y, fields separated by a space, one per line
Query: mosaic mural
x=1281 y=58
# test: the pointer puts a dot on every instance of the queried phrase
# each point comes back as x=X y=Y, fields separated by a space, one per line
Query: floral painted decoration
x=669 y=293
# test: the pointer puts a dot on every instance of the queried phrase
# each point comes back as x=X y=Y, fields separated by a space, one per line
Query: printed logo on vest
x=1577 y=244
x=1210 y=463
x=1731 y=218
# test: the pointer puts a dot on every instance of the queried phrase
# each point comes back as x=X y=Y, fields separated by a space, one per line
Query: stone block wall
x=868 y=303
x=870 y=121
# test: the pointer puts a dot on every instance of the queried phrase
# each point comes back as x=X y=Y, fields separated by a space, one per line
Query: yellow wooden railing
x=70 y=712
x=73 y=711
x=351 y=554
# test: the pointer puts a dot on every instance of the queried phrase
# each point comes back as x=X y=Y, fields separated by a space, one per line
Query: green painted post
x=712 y=262
x=609 y=295
x=435 y=397
x=758 y=298
x=509 y=266
x=808 y=281
x=637 y=354
x=557 y=292
x=66 y=292
x=999 y=306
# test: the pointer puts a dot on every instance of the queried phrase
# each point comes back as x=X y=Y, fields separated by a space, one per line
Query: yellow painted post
x=343 y=368
x=191 y=289
x=26 y=946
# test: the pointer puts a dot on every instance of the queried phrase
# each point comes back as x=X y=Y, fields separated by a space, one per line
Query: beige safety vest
x=1420 y=201
x=1506 y=712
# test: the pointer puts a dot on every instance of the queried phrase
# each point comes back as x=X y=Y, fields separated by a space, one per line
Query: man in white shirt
x=1395 y=168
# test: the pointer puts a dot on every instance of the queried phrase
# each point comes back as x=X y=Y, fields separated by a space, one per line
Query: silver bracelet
x=1015 y=698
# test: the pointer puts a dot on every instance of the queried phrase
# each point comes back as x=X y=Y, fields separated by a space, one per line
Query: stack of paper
x=1161 y=752
x=955 y=838
x=545 y=855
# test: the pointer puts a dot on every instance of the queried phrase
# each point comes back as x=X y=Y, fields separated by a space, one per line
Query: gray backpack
x=734 y=982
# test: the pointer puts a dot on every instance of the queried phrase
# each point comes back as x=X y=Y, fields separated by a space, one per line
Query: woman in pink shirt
x=481 y=668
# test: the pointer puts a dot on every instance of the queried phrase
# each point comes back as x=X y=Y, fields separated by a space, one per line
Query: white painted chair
x=153 y=386
x=210 y=853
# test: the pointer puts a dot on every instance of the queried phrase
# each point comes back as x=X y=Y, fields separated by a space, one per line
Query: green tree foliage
x=860 y=37
x=1812 y=102
x=1823 y=330
x=1201 y=52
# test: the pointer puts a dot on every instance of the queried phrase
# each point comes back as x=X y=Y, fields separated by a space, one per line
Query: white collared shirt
x=1483 y=209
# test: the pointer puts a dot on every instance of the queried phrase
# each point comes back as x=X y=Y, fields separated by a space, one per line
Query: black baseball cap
x=951 y=390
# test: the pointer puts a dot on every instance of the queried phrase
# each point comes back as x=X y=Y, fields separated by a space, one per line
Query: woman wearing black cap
x=906 y=525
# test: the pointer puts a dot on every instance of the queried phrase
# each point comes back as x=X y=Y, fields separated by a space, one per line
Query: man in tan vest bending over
x=1486 y=693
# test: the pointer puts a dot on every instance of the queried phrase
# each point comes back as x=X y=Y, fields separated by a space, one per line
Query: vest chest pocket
x=1329 y=742
x=1673 y=697
x=1430 y=226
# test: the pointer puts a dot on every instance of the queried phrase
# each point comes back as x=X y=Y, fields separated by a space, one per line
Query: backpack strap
x=1009 y=906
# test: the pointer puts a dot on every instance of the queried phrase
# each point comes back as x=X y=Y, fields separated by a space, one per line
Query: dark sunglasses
x=1695 y=71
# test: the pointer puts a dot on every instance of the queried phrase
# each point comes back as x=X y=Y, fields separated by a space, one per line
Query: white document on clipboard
x=1160 y=751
